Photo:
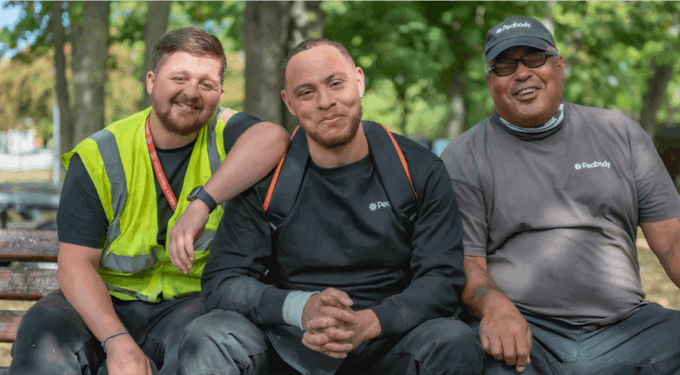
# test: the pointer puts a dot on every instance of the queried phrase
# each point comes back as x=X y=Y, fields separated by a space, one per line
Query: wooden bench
x=21 y=283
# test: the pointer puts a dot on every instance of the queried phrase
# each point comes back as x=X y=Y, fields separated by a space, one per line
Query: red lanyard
x=162 y=180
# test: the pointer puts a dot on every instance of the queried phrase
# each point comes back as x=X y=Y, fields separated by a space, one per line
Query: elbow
x=61 y=277
x=280 y=139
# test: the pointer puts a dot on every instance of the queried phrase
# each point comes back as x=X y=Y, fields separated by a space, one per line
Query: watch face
x=194 y=192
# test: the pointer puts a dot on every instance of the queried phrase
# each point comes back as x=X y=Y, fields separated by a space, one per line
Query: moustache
x=189 y=102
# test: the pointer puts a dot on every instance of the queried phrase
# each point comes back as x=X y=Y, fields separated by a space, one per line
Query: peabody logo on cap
x=516 y=32
x=506 y=27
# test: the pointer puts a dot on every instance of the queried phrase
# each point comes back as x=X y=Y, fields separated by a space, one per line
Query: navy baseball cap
x=514 y=32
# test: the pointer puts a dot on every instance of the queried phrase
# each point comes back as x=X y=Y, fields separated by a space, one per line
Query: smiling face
x=185 y=91
x=530 y=96
x=323 y=90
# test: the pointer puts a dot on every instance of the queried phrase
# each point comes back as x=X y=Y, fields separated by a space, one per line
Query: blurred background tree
x=423 y=61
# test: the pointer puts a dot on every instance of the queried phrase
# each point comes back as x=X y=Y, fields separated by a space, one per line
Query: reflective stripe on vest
x=213 y=139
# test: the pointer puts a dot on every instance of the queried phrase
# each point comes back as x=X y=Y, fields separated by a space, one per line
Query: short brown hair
x=309 y=44
x=190 y=40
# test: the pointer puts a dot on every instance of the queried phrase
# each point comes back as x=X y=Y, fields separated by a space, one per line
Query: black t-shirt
x=81 y=219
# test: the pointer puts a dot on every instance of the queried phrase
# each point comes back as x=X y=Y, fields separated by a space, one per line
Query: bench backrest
x=22 y=283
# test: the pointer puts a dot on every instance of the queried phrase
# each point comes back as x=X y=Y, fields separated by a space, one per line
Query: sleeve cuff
x=271 y=305
x=391 y=322
x=293 y=305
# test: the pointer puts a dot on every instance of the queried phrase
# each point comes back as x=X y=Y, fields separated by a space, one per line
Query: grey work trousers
x=645 y=343
x=53 y=339
x=236 y=346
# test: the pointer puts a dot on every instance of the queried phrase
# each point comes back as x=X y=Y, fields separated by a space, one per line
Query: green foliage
x=34 y=23
x=394 y=42
x=408 y=50
x=220 y=18
x=608 y=48
x=26 y=90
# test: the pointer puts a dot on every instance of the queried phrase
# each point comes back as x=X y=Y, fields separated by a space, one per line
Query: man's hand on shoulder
x=334 y=329
x=125 y=357
x=506 y=335
x=184 y=233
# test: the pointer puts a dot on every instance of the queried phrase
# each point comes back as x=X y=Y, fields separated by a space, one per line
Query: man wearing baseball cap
x=551 y=195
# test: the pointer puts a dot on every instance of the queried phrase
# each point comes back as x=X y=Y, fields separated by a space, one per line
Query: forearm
x=671 y=263
x=85 y=290
x=663 y=238
x=480 y=293
x=404 y=311
x=252 y=157
x=259 y=302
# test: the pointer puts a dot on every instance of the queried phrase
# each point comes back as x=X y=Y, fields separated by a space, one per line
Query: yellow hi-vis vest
x=133 y=265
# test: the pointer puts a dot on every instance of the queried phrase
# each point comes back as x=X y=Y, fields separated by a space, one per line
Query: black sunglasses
x=508 y=66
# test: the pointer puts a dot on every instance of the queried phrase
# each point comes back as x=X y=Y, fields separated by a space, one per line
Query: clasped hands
x=332 y=328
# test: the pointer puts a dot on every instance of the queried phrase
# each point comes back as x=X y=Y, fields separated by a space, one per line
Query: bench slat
x=9 y=322
x=27 y=284
x=28 y=245
x=45 y=188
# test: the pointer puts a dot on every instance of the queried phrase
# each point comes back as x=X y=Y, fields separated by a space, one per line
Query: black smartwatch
x=199 y=193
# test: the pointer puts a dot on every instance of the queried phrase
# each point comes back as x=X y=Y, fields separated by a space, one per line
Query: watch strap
x=205 y=197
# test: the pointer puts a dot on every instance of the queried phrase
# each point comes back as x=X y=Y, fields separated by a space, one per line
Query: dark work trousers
x=53 y=339
x=236 y=346
x=646 y=342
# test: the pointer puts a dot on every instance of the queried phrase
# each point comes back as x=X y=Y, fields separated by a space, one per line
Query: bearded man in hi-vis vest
x=138 y=211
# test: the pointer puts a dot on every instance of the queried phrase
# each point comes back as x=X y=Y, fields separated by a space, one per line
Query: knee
x=227 y=330
x=222 y=340
x=451 y=344
x=45 y=339
x=40 y=323
x=214 y=325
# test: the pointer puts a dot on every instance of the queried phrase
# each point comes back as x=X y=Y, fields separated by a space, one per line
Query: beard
x=341 y=140
x=176 y=123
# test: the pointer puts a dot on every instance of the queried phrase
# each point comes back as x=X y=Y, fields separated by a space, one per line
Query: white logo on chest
x=594 y=164
x=378 y=205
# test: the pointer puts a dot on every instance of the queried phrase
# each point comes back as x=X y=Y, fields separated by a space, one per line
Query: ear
x=361 y=81
x=488 y=80
x=150 y=81
x=560 y=67
x=286 y=101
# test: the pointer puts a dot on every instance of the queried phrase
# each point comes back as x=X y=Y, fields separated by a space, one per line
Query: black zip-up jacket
x=342 y=234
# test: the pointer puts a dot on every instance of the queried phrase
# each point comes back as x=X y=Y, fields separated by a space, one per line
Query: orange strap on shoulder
x=270 y=191
x=403 y=160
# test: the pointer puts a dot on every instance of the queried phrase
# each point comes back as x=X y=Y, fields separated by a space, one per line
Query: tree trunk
x=58 y=37
x=455 y=124
x=157 y=18
x=265 y=37
x=655 y=96
x=307 y=21
x=90 y=52
x=402 y=123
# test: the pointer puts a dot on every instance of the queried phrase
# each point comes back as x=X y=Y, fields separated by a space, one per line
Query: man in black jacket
x=349 y=287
